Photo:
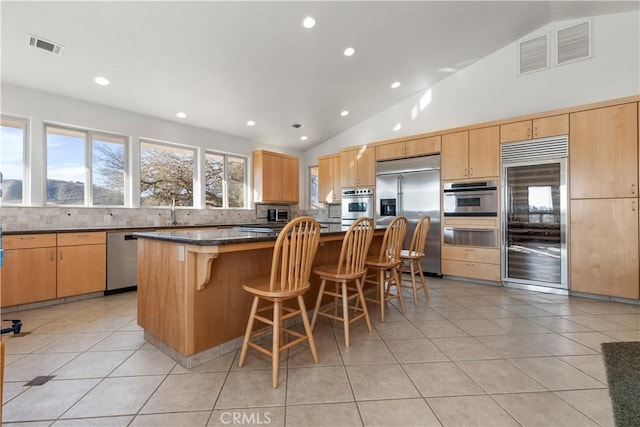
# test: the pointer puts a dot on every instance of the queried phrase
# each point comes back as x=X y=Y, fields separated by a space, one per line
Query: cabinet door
x=551 y=126
x=395 y=150
x=272 y=167
x=454 y=160
x=28 y=275
x=81 y=269
x=349 y=167
x=289 y=180
x=604 y=247
x=603 y=152
x=337 y=168
x=423 y=146
x=517 y=131
x=484 y=152
x=366 y=167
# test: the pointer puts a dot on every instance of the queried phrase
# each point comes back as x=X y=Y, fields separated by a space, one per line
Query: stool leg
x=318 y=302
x=345 y=313
x=247 y=334
x=275 y=367
x=381 y=288
x=424 y=281
x=307 y=329
x=413 y=282
x=364 y=304
x=394 y=272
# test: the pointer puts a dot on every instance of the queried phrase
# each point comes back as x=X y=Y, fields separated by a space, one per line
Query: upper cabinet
x=358 y=167
x=275 y=177
x=603 y=152
x=471 y=154
x=536 y=128
x=411 y=148
x=329 y=181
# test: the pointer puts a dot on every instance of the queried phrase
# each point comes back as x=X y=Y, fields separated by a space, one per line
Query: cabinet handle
x=52 y=256
x=82 y=235
x=633 y=189
x=471 y=172
x=466 y=172
x=28 y=238
x=61 y=257
x=535 y=131
x=469 y=250
x=633 y=206
x=528 y=132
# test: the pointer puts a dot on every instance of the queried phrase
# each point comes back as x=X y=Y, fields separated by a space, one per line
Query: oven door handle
x=483 y=190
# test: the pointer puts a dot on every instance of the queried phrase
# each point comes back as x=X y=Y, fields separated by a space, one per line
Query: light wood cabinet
x=604 y=247
x=29 y=271
x=603 y=152
x=358 y=167
x=276 y=177
x=411 y=148
x=536 y=128
x=471 y=154
x=329 y=180
x=472 y=270
x=82 y=263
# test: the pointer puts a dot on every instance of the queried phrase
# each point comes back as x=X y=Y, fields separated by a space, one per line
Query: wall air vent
x=47 y=45
x=574 y=43
x=533 y=54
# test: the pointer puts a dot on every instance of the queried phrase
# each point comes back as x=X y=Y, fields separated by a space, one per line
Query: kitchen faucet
x=173 y=211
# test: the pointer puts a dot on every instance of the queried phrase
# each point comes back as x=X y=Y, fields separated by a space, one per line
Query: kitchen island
x=191 y=304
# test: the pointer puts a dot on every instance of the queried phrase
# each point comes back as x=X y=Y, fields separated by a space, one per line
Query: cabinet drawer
x=73 y=239
x=474 y=270
x=27 y=241
x=461 y=253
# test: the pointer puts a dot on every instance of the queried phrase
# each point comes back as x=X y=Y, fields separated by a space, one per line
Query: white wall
x=490 y=89
x=40 y=107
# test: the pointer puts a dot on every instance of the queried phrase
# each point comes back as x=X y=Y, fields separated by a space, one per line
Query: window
x=225 y=180
x=314 y=202
x=13 y=145
x=84 y=167
x=166 y=174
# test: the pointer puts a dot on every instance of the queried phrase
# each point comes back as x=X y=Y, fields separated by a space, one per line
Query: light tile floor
x=471 y=355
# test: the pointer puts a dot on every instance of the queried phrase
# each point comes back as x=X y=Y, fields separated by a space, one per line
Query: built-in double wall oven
x=477 y=199
x=356 y=203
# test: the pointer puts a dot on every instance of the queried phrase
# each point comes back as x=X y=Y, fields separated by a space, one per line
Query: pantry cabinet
x=471 y=154
x=536 y=128
x=411 y=148
x=358 y=167
x=82 y=263
x=604 y=247
x=275 y=177
x=29 y=270
x=603 y=152
x=329 y=180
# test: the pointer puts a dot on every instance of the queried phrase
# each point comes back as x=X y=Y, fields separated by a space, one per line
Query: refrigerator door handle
x=400 y=207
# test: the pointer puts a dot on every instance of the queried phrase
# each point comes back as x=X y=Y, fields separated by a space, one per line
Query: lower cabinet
x=471 y=262
x=29 y=270
x=604 y=247
x=82 y=263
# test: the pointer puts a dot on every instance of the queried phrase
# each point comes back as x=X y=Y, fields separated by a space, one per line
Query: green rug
x=622 y=360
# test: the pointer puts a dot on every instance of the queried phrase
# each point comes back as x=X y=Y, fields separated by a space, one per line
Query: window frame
x=88 y=164
x=312 y=205
x=225 y=182
x=26 y=187
x=195 y=172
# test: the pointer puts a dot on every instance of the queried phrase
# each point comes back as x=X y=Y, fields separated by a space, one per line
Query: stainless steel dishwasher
x=122 y=261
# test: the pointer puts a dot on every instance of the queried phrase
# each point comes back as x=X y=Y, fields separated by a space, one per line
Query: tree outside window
x=166 y=174
x=225 y=180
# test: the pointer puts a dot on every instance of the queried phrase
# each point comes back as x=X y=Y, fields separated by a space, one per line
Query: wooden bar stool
x=383 y=270
x=293 y=255
x=410 y=258
x=350 y=268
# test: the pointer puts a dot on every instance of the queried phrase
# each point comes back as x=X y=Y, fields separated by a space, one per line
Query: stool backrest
x=393 y=239
x=419 y=237
x=355 y=246
x=293 y=254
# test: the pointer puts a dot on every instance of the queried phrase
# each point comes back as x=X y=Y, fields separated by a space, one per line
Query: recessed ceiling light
x=102 y=81
x=447 y=70
x=397 y=127
x=251 y=123
x=181 y=115
x=395 y=85
x=349 y=51
x=309 y=22
x=344 y=113
x=303 y=138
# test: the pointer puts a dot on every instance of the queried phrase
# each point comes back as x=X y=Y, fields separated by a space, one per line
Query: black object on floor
x=622 y=360
x=15 y=327
x=40 y=380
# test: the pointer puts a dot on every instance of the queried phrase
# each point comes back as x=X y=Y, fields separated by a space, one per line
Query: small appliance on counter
x=278 y=214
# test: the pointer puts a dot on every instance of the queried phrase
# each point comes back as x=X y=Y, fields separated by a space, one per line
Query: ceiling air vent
x=296 y=125
x=574 y=43
x=46 y=45
x=533 y=54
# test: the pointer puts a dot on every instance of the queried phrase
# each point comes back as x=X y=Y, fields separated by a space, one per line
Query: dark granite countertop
x=228 y=236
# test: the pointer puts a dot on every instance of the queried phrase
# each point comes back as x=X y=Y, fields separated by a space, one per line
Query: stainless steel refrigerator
x=411 y=188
